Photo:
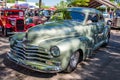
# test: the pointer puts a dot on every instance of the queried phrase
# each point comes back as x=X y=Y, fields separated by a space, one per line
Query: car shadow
x=8 y=64
x=113 y=28
x=104 y=65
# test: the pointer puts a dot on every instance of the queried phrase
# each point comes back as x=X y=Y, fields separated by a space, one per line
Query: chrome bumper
x=13 y=32
x=34 y=66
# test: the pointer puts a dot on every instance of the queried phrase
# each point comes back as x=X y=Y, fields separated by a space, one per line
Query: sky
x=47 y=2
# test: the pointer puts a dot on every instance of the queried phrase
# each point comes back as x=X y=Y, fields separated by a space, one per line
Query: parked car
x=12 y=21
x=115 y=21
x=39 y=18
x=69 y=37
x=35 y=20
x=106 y=17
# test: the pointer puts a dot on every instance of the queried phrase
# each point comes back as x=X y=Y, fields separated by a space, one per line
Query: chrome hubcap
x=74 y=59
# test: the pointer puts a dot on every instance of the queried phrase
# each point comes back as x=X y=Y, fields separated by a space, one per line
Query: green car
x=70 y=36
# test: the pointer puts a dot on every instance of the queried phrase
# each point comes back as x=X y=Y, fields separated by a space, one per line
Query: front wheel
x=5 y=31
x=74 y=59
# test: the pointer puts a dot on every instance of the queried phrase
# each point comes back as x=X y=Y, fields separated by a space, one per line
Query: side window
x=92 y=18
x=101 y=18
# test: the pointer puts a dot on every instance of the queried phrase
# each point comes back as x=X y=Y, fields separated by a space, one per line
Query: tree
x=13 y=1
x=78 y=3
x=40 y=3
x=62 y=4
x=117 y=1
x=112 y=0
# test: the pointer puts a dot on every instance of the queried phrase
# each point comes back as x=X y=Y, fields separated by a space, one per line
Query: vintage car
x=70 y=36
x=114 y=22
x=12 y=20
x=40 y=18
x=35 y=20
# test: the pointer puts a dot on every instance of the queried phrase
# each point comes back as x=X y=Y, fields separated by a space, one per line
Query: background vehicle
x=106 y=16
x=38 y=17
x=115 y=21
x=11 y=21
x=70 y=36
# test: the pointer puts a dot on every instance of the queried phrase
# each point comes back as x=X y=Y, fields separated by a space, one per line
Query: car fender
x=18 y=36
x=70 y=45
x=29 y=25
x=7 y=26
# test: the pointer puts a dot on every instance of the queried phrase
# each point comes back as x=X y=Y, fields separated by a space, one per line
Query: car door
x=97 y=29
x=100 y=25
x=92 y=28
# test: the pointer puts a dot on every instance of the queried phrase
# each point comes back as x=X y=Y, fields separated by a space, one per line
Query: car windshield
x=10 y=13
x=68 y=15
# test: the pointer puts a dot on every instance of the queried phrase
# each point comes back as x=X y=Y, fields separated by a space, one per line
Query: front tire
x=74 y=59
x=5 y=31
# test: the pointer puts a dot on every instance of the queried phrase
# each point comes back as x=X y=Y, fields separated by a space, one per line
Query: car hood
x=53 y=32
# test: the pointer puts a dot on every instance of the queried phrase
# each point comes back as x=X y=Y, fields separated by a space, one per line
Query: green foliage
x=37 y=4
x=78 y=3
x=45 y=7
x=118 y=3
x=101 y=9
x=13 y=1
x=62 y=4
x=112 y=0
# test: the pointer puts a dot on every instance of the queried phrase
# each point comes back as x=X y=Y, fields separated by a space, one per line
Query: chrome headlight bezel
x=13 y=22
x=27 y=21
x=54 y=50
x=12 y=41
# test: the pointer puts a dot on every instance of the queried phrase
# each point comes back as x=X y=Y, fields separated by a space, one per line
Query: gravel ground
x=104 y=65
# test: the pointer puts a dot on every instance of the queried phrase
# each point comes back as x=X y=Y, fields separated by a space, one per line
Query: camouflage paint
x=68 y=36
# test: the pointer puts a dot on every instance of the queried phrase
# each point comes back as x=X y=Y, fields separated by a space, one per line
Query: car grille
x=31 y=53
x=20 y=25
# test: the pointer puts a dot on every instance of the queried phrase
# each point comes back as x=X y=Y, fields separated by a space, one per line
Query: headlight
x=13 y=23
x=27 y=21
x=55 y=51
x=11 y=41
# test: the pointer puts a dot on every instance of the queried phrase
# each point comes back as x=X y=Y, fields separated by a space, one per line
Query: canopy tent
x=97 y=3
x=24 y=5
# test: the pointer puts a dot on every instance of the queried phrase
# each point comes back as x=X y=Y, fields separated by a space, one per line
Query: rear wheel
x=107 y=40
x=73 y=62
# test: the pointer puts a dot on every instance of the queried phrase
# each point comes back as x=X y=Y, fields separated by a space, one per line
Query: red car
x=12 y=20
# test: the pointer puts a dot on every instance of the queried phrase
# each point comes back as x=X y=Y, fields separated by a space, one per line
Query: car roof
x=81 y=9
x=84 y=9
